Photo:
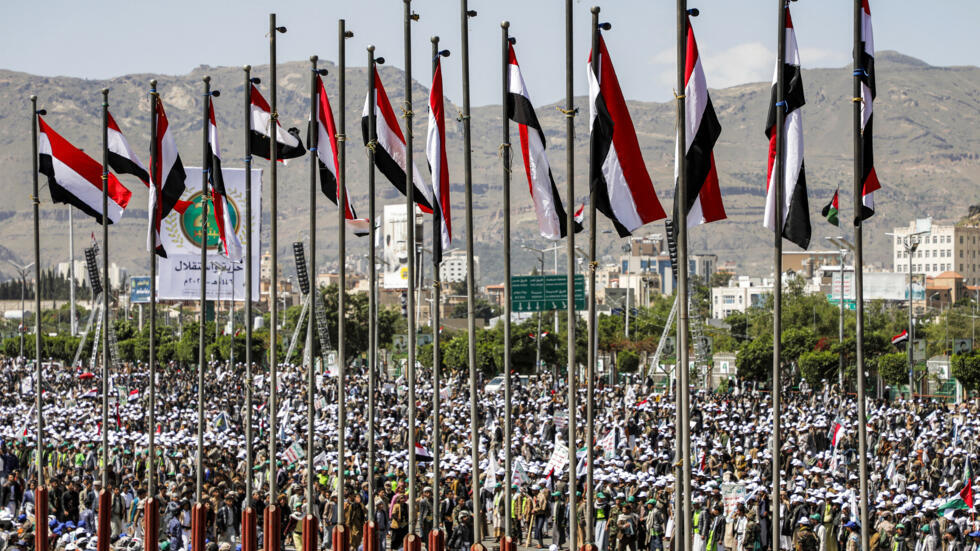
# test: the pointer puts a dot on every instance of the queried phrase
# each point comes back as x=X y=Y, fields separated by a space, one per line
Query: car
x=495 y=385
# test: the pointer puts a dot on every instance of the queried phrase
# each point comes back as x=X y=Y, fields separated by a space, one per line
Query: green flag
x=831 y=210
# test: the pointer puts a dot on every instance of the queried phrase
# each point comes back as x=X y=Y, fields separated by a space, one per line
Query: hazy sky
x=106 y=38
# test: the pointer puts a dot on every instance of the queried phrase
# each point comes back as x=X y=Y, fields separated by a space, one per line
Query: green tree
x=966 y=369
x=738 y=324
x=628 y=361
x=894 y=368
x=817 y=366
x=754 y=359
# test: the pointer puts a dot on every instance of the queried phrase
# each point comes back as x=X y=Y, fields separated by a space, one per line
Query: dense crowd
x=919 y=456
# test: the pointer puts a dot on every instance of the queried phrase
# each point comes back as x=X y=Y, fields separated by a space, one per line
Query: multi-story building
x=740 y=294
x=945 y=248
x=453 y=267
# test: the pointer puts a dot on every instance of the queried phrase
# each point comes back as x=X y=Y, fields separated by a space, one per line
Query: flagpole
x=505 y=173
x=151 y=509
x=590 y=368
x=372 y=297
x=42 y=536
x=71 y=271
x=342 y=36
x=570 y=112
x=436 y=537
x=310 y=528
x=859 y=270
x=410 y=224
x=680 y=227
x=465 y=14
x=778 y=264
x=105 y=496
x=272 y=512
x=249 y=540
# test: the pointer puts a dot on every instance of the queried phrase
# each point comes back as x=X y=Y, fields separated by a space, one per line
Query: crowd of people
x=919 y=456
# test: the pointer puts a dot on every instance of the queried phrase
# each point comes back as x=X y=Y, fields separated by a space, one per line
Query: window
x=898 y=240
x=729 y=299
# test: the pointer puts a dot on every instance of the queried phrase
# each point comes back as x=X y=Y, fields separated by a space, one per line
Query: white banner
x=559 y=458
x=180 y=273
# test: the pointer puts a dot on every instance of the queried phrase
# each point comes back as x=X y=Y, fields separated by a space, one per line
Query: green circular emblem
x=192 y=226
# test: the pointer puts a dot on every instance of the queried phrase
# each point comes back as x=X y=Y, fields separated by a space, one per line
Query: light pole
x=23 y=272
x=910 y=243
x=842 y=245
x=537 y=338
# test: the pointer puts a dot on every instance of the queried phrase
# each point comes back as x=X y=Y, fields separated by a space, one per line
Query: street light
x=910 y=243
x=843 y=245
x=22 y=271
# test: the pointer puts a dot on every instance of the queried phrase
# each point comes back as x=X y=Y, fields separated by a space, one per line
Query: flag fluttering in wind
x=832 y=209
x=552 y=220
x=329 y=162
x=122 y=160
x=702 y=130
x=901 y=337
x=422 y=453
x=389 y=152
x=435 y=152
x=795 y=225
x=230 y=243
x=288 y=144
x=624 y=191
x=963 y=499
x=75 y=179
x=869 y=178
x=168 y=181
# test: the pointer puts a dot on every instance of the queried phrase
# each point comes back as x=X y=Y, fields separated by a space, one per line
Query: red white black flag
x=795 y=225
x=869 y=178
x=389 y=154
x=75 y=179
x=702 y=130
x=329 y=162
x=122 y=160
x=230 y=244
x=435 y=152
x=168 y=181
x=552 y=220
x=288 y=145
x=624 y=192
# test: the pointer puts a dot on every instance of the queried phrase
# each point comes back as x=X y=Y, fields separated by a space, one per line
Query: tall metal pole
x=373 y=277
x=910 y=251
x=105 y=293
x=778 y=266
x=39 y=463
x=590 y=368
x=342 y=36
x=464 y=19
x=205 y=162
x=311 y=320
x=680 y=227
x=840 y=323
x=272 y=511
x=249 y=459
x=71 y=270
x=859 y=272
x=570 y=113
x=505 y=173
x=410 y=222
x=436 y=355
x=151 y=360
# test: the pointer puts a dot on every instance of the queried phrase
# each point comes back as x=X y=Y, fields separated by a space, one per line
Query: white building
x=944 y=249
x=117 y=275
x=739 y=295
x=394 y=245
x=453 y=267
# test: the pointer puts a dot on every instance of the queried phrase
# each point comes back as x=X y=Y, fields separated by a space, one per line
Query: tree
x=796 y=342
x=817 y=366
x=966 y=369
x=719 y=279
x=754 y=359
x=628 y=361
x=894 y=368
x=738 y=324
x=482 y=308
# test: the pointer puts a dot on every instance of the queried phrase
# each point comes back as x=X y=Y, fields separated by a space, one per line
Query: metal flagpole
x=505 y=173
x=859 y=68
x=570 y=113
x=778 y=265
x=410 y=222
x=436 y=538
x=343 y=35
x=465 y=14
x=71 y=271
x=372 y=298
x=680 y=227
x=249 y=540
x=151 y=509
x=272 y=510
x=42 y=536
x=105 y=496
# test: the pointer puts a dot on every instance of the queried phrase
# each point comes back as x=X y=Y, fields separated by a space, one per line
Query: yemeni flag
x=390 y=154
x=832 y=209
x=288 y=145
x=231 y=245
x=702 y=130
x=901 y=337
x=964 y=499
x=168 y=180
x=329 y=162
x=422 y=453
x=122 y=160
x=795 y=225
x=75 y=179
x=866 y=73
x=836 y=434
x=435 y=153
x=552 y=220
x=624 y=192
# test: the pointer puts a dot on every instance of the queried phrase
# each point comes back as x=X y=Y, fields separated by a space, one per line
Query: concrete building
x=807 y=263
x=453 y=267
x=739 y=295
x=946 y=248
x=117 y=275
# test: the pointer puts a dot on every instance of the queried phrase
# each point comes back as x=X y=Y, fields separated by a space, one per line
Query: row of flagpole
x=683 y=468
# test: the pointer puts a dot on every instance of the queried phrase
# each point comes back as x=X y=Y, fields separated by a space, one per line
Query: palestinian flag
x=288 y=145
x=75 y=179
x=866 y=73
x=624 y=191
x=964 y=499
x=795 y=223
x=901 y=337
x=832 y=209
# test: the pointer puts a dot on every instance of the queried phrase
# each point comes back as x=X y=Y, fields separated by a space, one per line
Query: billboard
x=139 y=289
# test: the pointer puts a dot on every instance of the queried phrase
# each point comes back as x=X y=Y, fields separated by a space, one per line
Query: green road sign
x=537 y=293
